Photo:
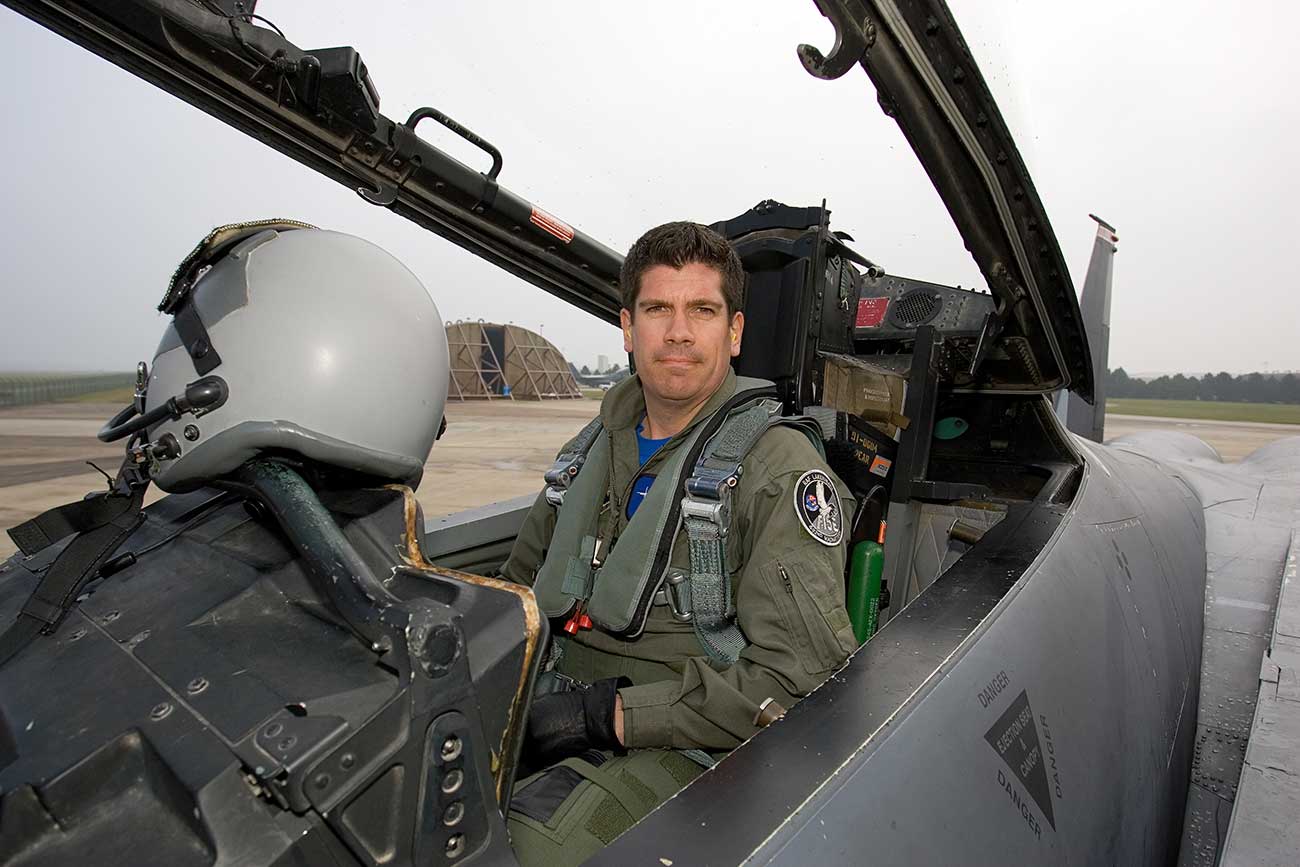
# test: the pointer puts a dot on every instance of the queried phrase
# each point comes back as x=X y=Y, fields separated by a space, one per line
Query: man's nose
x=679 y=328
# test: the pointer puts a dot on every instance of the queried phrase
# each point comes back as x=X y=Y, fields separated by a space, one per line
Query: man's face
x=680 y=336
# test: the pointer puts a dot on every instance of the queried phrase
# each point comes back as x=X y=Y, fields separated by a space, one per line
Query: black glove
x=565 y=724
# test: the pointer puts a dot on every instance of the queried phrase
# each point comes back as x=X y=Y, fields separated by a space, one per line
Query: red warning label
x=871 y=312
x=551 y=224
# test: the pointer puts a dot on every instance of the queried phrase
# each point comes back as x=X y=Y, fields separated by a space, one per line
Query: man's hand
x=618 y=718
x=566 y=724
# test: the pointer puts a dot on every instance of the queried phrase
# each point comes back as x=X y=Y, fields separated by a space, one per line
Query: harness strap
x=706 y=515
x=570 y=461
x=611 y=784
x=102 y=522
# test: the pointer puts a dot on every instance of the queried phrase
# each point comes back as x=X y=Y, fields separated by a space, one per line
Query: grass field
x=1274 y=413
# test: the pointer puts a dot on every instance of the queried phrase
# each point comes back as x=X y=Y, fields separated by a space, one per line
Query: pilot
x=681 y=624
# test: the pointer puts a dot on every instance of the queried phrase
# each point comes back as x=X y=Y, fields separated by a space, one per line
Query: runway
x=491 y=451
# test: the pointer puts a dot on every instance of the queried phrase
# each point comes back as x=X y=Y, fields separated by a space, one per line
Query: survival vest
x=615 y=589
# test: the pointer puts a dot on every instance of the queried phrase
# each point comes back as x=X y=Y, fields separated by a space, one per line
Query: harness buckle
x=676 y=592
x=717 y=513
x=711 y=483
x=561 y=475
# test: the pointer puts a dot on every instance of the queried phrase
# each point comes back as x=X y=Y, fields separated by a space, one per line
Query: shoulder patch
x=817 y=503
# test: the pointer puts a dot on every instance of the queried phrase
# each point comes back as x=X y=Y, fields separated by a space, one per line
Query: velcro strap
x=611 y=784
x=578 y=577
x=710 y=592
x=194 y=337
x=59 y=587
x=740 y=432
x=58 y=523
x=722 y=455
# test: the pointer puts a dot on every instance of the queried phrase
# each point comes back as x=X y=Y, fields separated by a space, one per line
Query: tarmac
x=491 y=451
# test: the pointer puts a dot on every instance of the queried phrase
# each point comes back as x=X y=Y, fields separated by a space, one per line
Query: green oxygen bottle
x=863 y=601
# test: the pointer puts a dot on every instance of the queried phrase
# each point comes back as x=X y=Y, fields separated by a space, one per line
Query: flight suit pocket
x=811 y=603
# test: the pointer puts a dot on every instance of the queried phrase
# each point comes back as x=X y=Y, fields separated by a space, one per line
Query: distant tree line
x=1247 y=388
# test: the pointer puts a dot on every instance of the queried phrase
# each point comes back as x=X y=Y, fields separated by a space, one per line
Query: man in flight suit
x=638 y=707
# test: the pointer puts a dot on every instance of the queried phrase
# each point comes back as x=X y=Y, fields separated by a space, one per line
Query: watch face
x=817 y=503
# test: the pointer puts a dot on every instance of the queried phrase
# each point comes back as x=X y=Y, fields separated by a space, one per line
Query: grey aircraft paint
x=1249 y=708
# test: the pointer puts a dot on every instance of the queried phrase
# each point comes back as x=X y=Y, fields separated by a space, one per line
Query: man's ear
x=625 y=322
x=737 y=331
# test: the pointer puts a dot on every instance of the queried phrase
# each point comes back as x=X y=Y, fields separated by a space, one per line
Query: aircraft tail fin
x=1094 y=304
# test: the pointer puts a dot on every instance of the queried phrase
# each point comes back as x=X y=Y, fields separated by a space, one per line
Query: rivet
x=451 y=748
x=191 y=432
x=347 y=761
x=287 y=744
x=197 y=685
x=453 y=781
x=453 y=814
x=77 y=635
x=321 y=781
x=160 y=711
x=455 y=845
x=272 y=730
x=111 y=616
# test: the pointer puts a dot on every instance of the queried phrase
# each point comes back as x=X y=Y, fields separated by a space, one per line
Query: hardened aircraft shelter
x=491 y=361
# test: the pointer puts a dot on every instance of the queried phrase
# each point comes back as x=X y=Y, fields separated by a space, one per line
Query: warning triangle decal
x=1014 y=737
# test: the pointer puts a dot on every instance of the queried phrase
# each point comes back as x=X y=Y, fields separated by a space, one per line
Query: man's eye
x=705 y=312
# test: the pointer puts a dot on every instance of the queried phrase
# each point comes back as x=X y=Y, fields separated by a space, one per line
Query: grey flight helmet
x=289 y=338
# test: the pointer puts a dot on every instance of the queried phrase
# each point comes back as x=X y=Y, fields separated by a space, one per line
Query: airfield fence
x=22 y=389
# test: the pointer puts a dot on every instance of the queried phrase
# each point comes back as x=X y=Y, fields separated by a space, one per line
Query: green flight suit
x=787 y=588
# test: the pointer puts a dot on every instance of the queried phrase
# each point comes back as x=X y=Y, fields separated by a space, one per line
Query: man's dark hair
x=677 y=245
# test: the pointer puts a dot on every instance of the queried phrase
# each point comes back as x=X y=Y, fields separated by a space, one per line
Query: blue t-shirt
x=645 y=449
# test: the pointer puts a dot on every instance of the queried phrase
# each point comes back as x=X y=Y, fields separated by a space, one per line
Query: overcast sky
x=1178 y=125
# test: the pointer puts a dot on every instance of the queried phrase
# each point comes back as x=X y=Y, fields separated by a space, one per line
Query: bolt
x=451 y=748
x=78 y=634
x=453 y=781
x=347 y=761
x=111 y=616
x=191 y=432
x=197 y=685
x=272 y=730
x=160 y=711
x=453 y=814
x=455 y=845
